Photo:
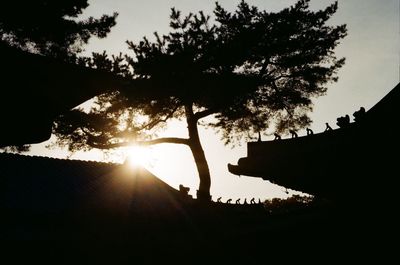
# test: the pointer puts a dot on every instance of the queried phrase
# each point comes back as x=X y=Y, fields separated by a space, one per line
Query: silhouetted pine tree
x=248 y=70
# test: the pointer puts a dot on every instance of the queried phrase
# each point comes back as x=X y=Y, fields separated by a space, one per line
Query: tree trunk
x=203 y=193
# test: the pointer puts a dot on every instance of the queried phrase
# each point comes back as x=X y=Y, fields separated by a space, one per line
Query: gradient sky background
x=372 y=69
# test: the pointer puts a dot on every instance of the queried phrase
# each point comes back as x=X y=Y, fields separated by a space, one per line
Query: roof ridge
x=56 y=158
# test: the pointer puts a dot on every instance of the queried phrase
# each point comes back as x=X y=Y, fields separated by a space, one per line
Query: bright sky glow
x=371 y=71
x=138 y=156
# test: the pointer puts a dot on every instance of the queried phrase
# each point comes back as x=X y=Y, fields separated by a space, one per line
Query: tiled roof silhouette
x=49 y=185
x=351 y=161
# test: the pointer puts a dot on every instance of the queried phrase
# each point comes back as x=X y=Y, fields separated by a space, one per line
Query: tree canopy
x=50 y=28
x=250 y=70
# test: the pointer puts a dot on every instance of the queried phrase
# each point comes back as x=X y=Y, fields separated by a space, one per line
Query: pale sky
x=371 y=71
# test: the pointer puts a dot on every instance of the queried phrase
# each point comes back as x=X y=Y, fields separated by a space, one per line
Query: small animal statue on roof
x=253 y=201
x=293 y=133
x=238 y=201
x=229 y=201
x=309 y=131
x=328 y=128
x=184 y=190
x=219 y=199
x=359 y=115
x=343 y=122
x=277 y=136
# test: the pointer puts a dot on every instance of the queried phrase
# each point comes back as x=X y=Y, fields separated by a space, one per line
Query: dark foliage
x=50 y=27
x=291 y=204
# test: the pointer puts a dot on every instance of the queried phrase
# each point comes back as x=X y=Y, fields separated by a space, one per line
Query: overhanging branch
x=164 y=140
x=201 y=114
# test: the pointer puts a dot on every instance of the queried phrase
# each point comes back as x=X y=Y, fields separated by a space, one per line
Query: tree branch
x=151 y=124
x=164 y=140
x=282 y=76
x=263 y=68
x=201 y=114
x=168 y=140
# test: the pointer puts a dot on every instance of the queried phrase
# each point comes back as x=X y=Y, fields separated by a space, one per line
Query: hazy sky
x=371 y=71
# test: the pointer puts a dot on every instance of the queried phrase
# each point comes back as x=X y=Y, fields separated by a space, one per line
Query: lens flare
x=138 y=156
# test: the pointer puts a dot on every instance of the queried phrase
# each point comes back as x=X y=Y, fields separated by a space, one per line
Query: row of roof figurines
x=342 y=122
x=185 y=190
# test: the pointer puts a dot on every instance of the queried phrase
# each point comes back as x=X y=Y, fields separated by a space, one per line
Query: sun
x=138 y=156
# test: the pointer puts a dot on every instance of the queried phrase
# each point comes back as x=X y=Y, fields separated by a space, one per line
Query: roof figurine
x=328 y=128
x=277 y=136
x=359 y=115
x=293 y=133
x=343 y=121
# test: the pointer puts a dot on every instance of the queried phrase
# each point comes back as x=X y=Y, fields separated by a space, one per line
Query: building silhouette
x=356 y=160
